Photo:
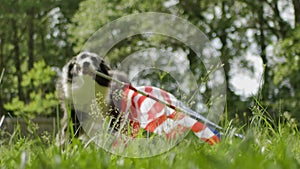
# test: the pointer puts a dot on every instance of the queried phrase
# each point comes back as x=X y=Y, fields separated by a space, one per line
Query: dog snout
x=86 y=64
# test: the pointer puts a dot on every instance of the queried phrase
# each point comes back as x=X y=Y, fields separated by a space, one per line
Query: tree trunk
x=283 y=26
x=262 y=46
x=1 y=52
x=17 y=59
x=296 y=4
x=1 y=66
x=30 y=38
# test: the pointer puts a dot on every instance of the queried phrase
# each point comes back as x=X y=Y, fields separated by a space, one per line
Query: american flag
x=153 y=116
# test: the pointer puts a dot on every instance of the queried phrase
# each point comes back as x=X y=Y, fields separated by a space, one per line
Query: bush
x=38 y=83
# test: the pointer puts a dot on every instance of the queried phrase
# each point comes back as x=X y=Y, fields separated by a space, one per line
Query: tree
x=286 y=73
x=42 y=100
x=31 y=31
x=238 y=27
x=52 y=31
x=90 y=20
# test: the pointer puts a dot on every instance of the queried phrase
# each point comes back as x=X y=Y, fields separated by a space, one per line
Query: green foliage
x=238 y=27
x=31 y=31
x=38 y=82
x=267 y=145
x=290 y=51
x=286 y=76
x=93 y=14
x=225 y=22
x=52 y=30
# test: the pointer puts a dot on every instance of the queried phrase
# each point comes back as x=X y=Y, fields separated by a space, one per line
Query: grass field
x=268 y=144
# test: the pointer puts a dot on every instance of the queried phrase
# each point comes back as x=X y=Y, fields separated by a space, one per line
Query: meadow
x=268 y=143
x=256 y=41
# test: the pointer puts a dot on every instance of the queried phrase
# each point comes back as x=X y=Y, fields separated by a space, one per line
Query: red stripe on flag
x=135 y=127
x=125 y=100
x=172 y=115
x=133 y=114
x=148 y=89
x=132 y=99
x=155 y=123
x=213 y=140
x=198 y=126
x=141 y=100
x=156 y=108
x=179 y=129
x=166 y=96
x=176 y=116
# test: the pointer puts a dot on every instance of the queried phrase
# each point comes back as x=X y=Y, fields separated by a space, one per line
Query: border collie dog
x=89 y=101
x=77 y=82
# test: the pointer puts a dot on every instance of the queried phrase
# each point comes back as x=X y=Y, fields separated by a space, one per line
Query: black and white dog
x=76 y=84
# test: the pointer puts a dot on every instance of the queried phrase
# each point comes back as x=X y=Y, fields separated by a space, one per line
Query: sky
x=244 y=82
x=248 y=84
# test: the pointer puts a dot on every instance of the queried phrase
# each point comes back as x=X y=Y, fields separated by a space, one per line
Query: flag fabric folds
x=153 y=116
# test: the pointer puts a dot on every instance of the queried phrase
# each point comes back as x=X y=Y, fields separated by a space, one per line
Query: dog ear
x=69 y=69
x=103 y=67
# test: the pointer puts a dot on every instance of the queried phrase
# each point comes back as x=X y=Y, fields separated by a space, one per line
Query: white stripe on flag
x=157 y=93
x=206 y=133
x=187 y=122
x=128 y=101
x=166 y=127
x=146 y=105
x=144 y=120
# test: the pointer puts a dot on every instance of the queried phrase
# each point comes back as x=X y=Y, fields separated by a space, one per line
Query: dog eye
x=83 y=56
x=94 y=59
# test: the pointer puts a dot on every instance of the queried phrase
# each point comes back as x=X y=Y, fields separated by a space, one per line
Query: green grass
x=268 y=144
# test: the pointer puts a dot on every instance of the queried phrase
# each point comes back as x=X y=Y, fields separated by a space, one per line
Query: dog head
x=84 y=65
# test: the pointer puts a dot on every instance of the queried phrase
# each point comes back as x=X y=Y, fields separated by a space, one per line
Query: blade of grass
x=1 y=76
x=2 y=120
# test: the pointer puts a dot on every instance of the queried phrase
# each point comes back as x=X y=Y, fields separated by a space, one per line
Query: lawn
x=267 y=144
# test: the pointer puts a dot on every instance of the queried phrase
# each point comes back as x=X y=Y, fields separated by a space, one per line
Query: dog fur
x=83 y=66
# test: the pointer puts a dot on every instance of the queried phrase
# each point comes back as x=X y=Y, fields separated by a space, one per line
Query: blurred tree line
x=38 y=36
x=33 y=41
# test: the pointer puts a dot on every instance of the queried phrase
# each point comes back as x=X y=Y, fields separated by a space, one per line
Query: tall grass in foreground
x=269 y=143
